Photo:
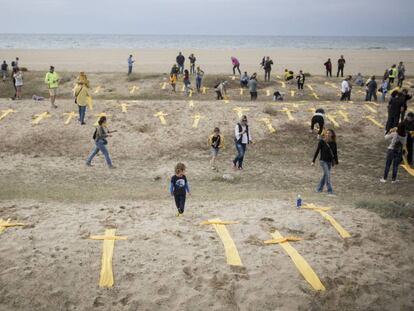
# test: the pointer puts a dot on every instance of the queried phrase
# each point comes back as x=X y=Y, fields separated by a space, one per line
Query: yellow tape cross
x=300 y=263
x=40 y=117
x=310 y=87
x=183 y=88
x=332 y=85
x=288 y=113
x=268 y=124
x=267 y=92
x=164 y=85
x=373 y=103
x=133 y=89
x=407 y=166
x=370 y=108
x=344 y=114
x=204 y=90
x=333 y=120
x=240 y=111
x=106 y=276
x=372 y=119
x=315 y=95
x=190 y=94
x=197 y=117
x=191 y=104
x=161 y=115
x=98 y=89
x=283 y=84
x=4 y=224
x=230 y=248
x=241 y=91
x=124 y=108
x=342 y=232
x=5 y=113
x=292 y=93
x=233 y=77
x=69 y=116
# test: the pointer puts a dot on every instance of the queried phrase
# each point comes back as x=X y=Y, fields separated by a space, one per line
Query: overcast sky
x=251 y=17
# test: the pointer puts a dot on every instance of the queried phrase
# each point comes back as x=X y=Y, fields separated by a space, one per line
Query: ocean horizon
x=128 y=41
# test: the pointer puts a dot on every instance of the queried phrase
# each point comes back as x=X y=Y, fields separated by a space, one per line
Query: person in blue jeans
x=328 y=158
x=179 y=188
x=199 y=78
x=242 y=139
x=100 y=137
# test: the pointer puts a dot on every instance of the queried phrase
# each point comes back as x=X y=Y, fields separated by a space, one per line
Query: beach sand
x=367 y=62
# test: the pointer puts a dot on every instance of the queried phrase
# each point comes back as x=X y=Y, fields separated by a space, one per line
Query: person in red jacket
x=328 y=67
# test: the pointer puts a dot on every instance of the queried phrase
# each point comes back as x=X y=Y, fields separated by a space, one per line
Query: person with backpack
x=236 y=65
x=52 y=81
x=82 y=97
x=371 y=89
x=4 y=70
x=100 y=137
x=288 y=75
x=401 y=74
x=328 y=158
x=328 y=67
x=242 y=139
x=341 y=66
x=267 y=68
x=180 y=59
x=394 y=111
x=252 y=84
x=192 y=59
x=398 y=137
x=199 y=78
x=221 y=89
x=300 y=79
x=392 y=74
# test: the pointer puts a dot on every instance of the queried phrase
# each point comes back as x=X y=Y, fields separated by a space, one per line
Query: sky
x=211 y=17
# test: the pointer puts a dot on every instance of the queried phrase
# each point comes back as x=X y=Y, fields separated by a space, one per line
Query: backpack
x=390 y=72
x=95 y=134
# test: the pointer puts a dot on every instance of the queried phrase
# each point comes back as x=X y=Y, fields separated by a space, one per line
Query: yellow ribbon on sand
x=300 y=263
x=4 y=224
x=322 y=210
x=230 y=248
x=407 y=166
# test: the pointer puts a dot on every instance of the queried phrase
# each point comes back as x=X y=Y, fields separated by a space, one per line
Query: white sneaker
x=395 y=181
x=383 y=180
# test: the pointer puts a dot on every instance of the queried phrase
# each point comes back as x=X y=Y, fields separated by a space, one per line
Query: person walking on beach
x=186 y=81
x=131 y=62
x=328 y=67
x=221 y=90
x=384 y=89
x=180 y=59
x=179 y=187
x=242 y=139
x=341 y=66
x=398 y=138
x=394 y=111
x=267 y=68
x=328 y=158
x=216 y=142
x=371 y=89
x=173 y=81
x=392 y=74
x=199 y=78
x=300 y=79
x=401 y=74
x=236 y=65
x=52 y=81
x=82 y=97
x=409 y=128
x=252 y=84
x=192 y=59
x=100 y=137
x=345 y=89
x=4 y=70
x=18 y=78
x=15 y=63
x=404 y=97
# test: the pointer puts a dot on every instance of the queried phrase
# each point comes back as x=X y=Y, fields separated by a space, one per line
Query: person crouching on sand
x=221 y=90
x=179 y=187
x=329 y=157
x=319 y=119
x=100 y=137
x=82 y=97
x=216 y=142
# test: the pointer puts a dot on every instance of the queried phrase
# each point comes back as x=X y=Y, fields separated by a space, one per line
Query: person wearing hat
x=242 y=139
x=82 y=97
x=52 y=81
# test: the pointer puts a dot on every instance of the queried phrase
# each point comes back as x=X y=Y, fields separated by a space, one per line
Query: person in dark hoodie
x=409 y=128
x=394 y=111
x=328 y=67
x=180 y=59
x=371 y=86
x=398 y=137
x=319 y=119
x=328 y=158
x=404 y=97
x=267 y=68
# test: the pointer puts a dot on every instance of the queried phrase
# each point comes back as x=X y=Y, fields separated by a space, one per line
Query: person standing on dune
x=341 y=66
x=192 y=59
x=131 y=62
x=52 y=81
x=236 y=65
x=267 y=68
x=328 y=67
x=180 y=59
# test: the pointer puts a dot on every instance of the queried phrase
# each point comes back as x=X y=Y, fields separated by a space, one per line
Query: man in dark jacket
x=394 y=110
x=409 y=127
x=405 y=97
x=371 y=89
x=267 y=68
x=180 y=62
x=341 y=66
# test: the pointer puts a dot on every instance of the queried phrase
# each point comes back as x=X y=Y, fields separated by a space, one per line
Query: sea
x=94 y=41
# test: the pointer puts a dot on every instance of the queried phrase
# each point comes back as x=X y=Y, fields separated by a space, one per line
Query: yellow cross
x=133 y=89
x=288 y=113
x=269 y=125
x=124 y=108
x=332 y=118
x=283 y=84
x=240 y=110
x=191 y=103
x=5 y=113
x=98 y=89
x=344 y=114
x=70 y=116
x=267 y=92
x=40 y=117
x=372 y=119
x=241 y=91
x=164 y=85
x=292 y=93
x=7 y=224
x=373 y=110
x=197 y=118
x=106 y=275
x=161 y=115
x=204 y=90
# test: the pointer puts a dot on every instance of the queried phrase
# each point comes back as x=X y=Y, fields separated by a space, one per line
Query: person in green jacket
x=52 y=81
x=392 y=73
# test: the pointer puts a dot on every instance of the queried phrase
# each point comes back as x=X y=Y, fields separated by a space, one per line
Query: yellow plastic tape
x=333 y=120
x=310 y=87
x=342 y=232
x=344 y=114
x=370 y=108
x=240 y=111
x=283 y=84
x=267 y=92
x=197 y=117
x=161 y=115
x=315 y=95
x=40 y=117
x=219 y=222
x=372 y=119
x=191 y=104
x=407 y=166
x=98 y=89
x=124 y=108
x=69 y=116
x=133 y=89
x=7 y=224
x=292 y=93
x=5 y=113
x=268 y=124
x=204 y=91
x=190 y=94
x=283 y=240
x=230 y=248
x=300 y=263
x=241 y=91
x=288 y=113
